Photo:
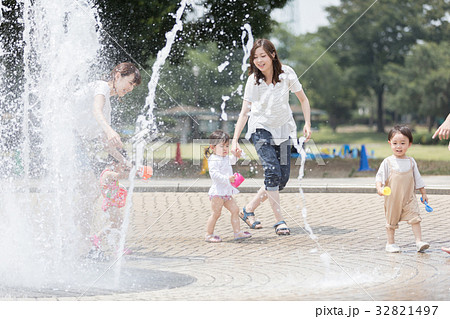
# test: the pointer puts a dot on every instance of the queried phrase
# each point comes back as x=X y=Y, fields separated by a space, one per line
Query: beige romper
x=401 y=205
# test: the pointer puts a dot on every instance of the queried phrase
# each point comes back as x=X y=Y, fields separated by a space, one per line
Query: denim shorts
x=275 y=159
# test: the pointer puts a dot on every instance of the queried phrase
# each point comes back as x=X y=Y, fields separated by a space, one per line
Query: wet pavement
x=344 y=259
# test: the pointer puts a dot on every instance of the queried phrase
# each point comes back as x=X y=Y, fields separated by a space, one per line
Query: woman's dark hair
x=216 y=138
x=269 y=48
x=125 y=69
x=402 y=129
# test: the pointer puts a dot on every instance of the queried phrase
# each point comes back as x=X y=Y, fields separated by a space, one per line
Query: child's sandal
x=242 y=235
x=213 y=239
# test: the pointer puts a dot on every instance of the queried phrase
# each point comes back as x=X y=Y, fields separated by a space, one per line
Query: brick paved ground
x=347 y=261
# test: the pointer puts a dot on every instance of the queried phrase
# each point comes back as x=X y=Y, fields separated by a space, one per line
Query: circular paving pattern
x=346 y=261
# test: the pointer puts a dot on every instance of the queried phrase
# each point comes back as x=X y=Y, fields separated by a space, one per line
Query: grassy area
x=357 y=136
x=325 y=139
x=381 y=150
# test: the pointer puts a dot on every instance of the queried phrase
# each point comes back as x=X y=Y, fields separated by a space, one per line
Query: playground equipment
x=363 y=161
x=204 y=166
x=178 y=158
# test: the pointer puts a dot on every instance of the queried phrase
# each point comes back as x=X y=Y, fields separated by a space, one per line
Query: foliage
x=324 y=81
x=196 y=82
x=383 y=34
x=422 y=86
x=136 y=28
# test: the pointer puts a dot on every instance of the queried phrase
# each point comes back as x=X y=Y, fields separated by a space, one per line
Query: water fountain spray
x=146 y=128
x=246 y=46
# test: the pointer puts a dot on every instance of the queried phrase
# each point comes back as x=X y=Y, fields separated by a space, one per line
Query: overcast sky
x=304 y=15
x=312 y=14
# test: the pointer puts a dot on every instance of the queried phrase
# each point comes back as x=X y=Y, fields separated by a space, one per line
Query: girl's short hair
x=269 y=48
x=216 y=138
x=402 y=129
x=125 y=69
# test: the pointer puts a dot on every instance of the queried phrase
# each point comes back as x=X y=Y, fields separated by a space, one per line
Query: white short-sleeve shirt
x=270 y=109
x=220 y=171
x=85 y=123
x=400 y=165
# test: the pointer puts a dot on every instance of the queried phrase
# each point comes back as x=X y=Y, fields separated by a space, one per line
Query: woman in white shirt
x=93 y=114
x=271 y=126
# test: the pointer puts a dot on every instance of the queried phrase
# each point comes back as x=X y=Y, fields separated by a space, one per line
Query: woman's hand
x=114 y=139
x=235 y=149
x=444 y=130
x=307 y=131
x=232 y=178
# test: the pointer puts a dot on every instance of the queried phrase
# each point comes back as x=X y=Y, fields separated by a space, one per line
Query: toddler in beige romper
x=402 y=204
x=401 y=174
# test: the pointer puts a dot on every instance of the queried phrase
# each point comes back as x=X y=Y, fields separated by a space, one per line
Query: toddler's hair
x=216 y=138
x=402 y=129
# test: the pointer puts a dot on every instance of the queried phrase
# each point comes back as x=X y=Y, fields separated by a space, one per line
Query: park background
x=371 y=65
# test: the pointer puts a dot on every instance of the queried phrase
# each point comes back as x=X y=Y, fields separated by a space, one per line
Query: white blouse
x=85 y=123
x=270 y=109
x=400 y=165
x=220 y=171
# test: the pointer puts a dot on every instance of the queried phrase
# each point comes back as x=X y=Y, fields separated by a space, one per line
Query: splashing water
x=222 y=67
x=40 y=202
x=301 y=172
x=224 y=115
x=247 y=48
x=146 y=129
x=146 y=123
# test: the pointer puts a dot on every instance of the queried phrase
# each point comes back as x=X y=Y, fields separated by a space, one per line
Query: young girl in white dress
x=221 y=191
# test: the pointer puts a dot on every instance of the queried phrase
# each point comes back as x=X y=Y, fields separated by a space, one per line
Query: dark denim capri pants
x=275 y=159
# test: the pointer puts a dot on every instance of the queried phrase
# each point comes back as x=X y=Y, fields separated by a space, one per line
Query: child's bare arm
x=424 y=194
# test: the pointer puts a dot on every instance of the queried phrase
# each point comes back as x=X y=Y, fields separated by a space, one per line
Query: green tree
x=195 y=82
x=139 y=27
x=383 y=35
x=422 y=86
x=324 y=81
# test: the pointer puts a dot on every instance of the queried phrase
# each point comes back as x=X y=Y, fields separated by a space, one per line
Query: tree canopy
x=139 y=27
x=378 y=34
x=422 y=86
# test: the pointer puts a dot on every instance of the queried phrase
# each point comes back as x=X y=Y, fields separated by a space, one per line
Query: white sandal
x=242 y=235
x=213 y=239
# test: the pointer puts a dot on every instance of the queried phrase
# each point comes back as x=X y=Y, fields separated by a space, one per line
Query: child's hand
x=425 y=198
x=380 y=191
x=232 y=178
x=109 y=177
